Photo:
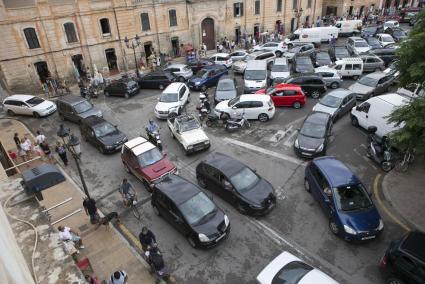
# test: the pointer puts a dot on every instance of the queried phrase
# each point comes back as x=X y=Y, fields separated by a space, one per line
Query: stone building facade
x=61 y=38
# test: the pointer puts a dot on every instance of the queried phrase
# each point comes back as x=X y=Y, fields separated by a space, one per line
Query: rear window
x=292 y=273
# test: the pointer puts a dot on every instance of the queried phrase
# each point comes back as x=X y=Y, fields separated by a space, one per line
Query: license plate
x=219 y=238
x=368 y=238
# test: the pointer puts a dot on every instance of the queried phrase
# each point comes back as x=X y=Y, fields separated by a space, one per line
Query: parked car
x=287 y=268
x=142 y=159
x=280 y=69
x=370 y=31
x=372 y=62
x=321 y=58
x=285 y=95
x=222 y=59
x=226 y=89
x=253 y=107
x=122 y=87
x=75 y=108
x=303 y=50
x=199 y=64
x=412 y=91
x=349 y=67
x=372 y=84
x=181 y=71
x=373 y=42
x=207 y=77
x=236 y=183
x=313 y=136
x=385 y=39
x=344 y=199
x=28 y=105
x=156 y=80
x=337 y=103
x=172 y=99
x=256 y=76
x=277 y=47
x=392 y=70
x=357 y=45
x=267 y=56
x=338 y=52
x=404 y=260
x=312 y=84
x=398 y=34
x=330 y=75
x=387 y=53
x=190 y=211
x=303 y=64
x=391 y=24
x=240 y=54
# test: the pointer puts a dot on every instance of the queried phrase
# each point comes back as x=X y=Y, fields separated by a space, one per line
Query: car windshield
x=331 y=101
x=280 y=68
x=341 y=51
x=373 y=40
x=399 y=33
x=360 y=44
x=368 y=81
x=292 y=273
x=225 y=86
x=295 y=49
x=233 y=101
x=104 y=129
x=322 y=56
x=202 y=73
x=189 y=125
x=370 y=29
x=34 y=101
x=168 y=97
x=312 y=129
x=255 y=74
x=387 y=39
x=303 y=61
x=198 y=209
x=353 y=197
x=150 y=157
x=244 y=180
x=83 y=107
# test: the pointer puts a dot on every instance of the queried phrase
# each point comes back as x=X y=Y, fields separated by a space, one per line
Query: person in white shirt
x=39 y=138
x=119 y=277
x=66 y=234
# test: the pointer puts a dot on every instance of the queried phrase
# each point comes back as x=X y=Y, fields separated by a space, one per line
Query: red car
x=285 y=95
x=145 y=161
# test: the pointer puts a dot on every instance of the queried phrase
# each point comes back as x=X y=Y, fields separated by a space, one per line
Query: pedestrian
x=60 y=149
x=146 y=238
x=29 y=146
x=119 y=277
x=232 y=45
x=17 y=140
x=39 y=138
x=22 y=153
x=25 y=147
x=92 y=279
x=333 y=40
x=218 y=46
x=66 y=234
x=89 y=205
x=46 y=150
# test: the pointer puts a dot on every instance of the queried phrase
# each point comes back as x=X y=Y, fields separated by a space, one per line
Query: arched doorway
x=208 y=33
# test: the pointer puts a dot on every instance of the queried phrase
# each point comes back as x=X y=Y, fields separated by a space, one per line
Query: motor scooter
x=154 y=138
x=153 y=257
x=213 y=120
x=234 y=124
x=379 y=150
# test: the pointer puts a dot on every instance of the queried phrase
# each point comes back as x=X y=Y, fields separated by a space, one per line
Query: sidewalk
x=106 y=250
x=406 y=193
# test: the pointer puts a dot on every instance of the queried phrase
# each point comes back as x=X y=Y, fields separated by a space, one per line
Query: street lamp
x=73 y=146
x=297 y=14
x=133 y=44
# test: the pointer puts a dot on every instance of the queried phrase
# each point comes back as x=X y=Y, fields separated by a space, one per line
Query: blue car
x=345 y=200
x=207 y=77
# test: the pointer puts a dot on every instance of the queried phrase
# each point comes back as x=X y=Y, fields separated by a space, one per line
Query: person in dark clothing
x=91 y=209
x=17 y=140
x=146 y=238
x=155 y=258
x=60 y=149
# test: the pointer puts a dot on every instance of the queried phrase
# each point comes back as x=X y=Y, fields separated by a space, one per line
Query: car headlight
x=109 y=147
x=320 y=148
x=206 y=142
x=197 y=83
x=190 y=147
x=226 y=220
x=296 y=144
x=381 y=225
x=349 y=230
x=203 y=238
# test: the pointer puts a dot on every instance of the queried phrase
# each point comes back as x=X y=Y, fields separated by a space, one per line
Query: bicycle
x=408 y=158
x=131 y=202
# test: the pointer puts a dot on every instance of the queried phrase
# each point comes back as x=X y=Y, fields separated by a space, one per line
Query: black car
x=311 y=84
x=102 y=134
x=190 y=211
x=226 y=89
x=387 y=54
x=404 y=260
x=338 y=52
x=369 y=31
x=373 y=42
x=236 y=183
x=303 y=64
x=398 y=34
x=198 y=65
x=313 y=136
x=122 y=87
x=322 y=58
x=156 y=80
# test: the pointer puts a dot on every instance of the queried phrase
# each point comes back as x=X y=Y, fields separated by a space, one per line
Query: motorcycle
x=204 y=107
x=379 y=150
x=234 y=124
x=153 y=257
x=154 y=138
x=213 y=120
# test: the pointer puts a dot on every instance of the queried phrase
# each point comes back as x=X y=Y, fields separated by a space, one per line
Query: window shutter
x=241 y=8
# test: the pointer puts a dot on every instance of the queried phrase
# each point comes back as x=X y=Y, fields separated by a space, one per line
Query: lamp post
x=73 y=146
x=133 y=44
x=297 y=14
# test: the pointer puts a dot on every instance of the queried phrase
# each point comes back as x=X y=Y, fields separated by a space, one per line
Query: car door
x=177 y=132
x=177 y=219
x=349 y=69
x=278 y=98
x=363 y=114
x=254 y=110
x=183 y=95
x=320 y=183
x=239 y=108
x=289 y=97
x=163 y=204
x=26 y=109
x=347 y=104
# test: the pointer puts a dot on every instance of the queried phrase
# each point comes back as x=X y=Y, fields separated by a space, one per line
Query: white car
x=357 y=45
x=287 y=268
x=222 y=59
x=391 y=24
x=252 y=106
x=172 y=99
x=238 y=55
x=181 y=71
x=280 y=69
x=278 y=47
x=28 y=105
x=385 y=39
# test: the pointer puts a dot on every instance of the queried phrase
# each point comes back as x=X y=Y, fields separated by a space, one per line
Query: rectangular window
x=279 y=6
x=146 y=26
x=31 y=37
x=257 y=7
x=104 y=25
x=238 y=9
x=294 y=4
x=309 y=4
x=173 y=18
x=71 y=36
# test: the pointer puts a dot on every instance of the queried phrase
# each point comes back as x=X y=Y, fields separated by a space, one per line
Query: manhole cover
x=83 y=228
x=6 y=123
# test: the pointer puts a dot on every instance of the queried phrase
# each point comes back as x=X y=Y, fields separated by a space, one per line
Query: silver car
x=337 y=103
x=330 y=76
x=238 y=55
x=268 y=56
x=372 y=84
x=181 y=71
x=372 y=63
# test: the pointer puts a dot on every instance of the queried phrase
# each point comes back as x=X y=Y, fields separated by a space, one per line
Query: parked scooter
x=379 y=150
x=213 y=120
x=154 y=138
x=204 y=107
x=237 y=123
x=156 y=263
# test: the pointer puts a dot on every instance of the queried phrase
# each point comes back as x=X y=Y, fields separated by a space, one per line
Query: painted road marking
x=289 y=141
x=264 y=151
x=381 y=204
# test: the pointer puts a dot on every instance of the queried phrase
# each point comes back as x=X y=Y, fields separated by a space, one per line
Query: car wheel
x=386 y=166
x=126 y=95
x=290 y=46
x=203 y=88
x=315 y=94
x=201 y=181
x=354 y=121
x=191 y=242
x=181 y=79
x=296 y=105
x=263 y=117
x=36 y=114
x=225 y=116
x=188 y=99
x=161 y=87
x=10 y=112
x=307 y=185
x=155 y=210
x=106 y=93
x=393 y=280
x=356 y=77
x=334 y=85
x=333 y=226
x=240 y=208
x=278 y=53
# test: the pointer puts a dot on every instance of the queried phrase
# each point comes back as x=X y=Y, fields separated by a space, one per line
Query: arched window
x=173 y=17
x=31 y=37
x=71 y=35
x=104 y=26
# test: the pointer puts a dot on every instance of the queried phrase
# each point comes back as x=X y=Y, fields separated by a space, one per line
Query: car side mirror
x=233 y=107
x=358 y=108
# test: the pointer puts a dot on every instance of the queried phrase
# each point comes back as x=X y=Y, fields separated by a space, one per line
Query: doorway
x=237 y=35
x=292 y=24
x=175 y=46
x=350 y=11
x=208 y=33
x=148 y=49
x=111 y=59
x=78 y=63
x=331 y=10
x=257 y=32
x=361 y=11
x=42 y=71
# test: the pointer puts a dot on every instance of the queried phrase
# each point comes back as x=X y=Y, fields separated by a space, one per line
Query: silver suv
x=372 y=63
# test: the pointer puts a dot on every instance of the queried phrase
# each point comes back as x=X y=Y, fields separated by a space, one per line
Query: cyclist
x=127 y=192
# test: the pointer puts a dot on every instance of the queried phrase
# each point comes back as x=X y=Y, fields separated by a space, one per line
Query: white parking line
x=264 y=151
x=289 y=142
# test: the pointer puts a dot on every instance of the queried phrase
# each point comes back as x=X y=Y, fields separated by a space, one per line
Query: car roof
x=357 y=38
x=214 y=66
x=185 y=117
x=376 y=75
x=220 y=54
x=336 y=172
x=94 y=120
x=280 y=61
x=176 y=65
x=239 y=50
x=413 y=244
x=139 y=145
x=160 y=72
x=319 y=117
x=71 y=99
x=224 y=163
x=253 y=97
x=259 y=52
x=325 y=69
x=19 y=97
x=285 y=86
x=340 y=93
x=173 y=87
x=384 y=35
x=177 y=188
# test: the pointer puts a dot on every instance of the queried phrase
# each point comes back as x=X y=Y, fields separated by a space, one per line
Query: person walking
x=60 y=149
x=29 y=146
x=17 y=140
x=118 y=277
x=89 y=205
x=46 y=150
x=146 y=238
x=39 y=138
x=25 y=147
x=218 y=46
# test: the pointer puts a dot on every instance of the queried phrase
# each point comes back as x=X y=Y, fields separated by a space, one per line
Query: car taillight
x=270 y=109
x=383 y=262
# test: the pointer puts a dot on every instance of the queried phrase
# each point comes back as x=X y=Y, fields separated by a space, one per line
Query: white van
x=255 y=76
x=349 y=67
x=311 y=35
x=280 y=69
x=348 y=27
x=374 y=111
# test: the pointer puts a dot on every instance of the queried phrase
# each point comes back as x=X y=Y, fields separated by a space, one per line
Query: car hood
x=310 y=143
x=225 y=95
x=194 y=136
x=279 y=75
x=240 y=63
x=44 y=105
x=364 y=220
x=113 y=138
x=323 y=108
x=195 y=79
x=362 y=49
x=258 y=193
x=161 y=106
x=93 y=111
x=222 y=106
x=323 y=62
x=255 y=83
x=211 y=227
x=360 y=88
x=158 y=169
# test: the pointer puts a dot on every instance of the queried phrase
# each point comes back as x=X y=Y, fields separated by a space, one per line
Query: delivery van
x=374 y=112
x=348 y=27
x=255 y=76
x=315 y=35
x=349 y=67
